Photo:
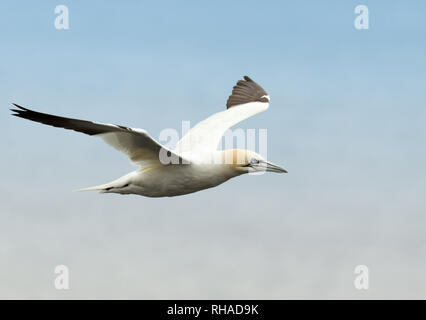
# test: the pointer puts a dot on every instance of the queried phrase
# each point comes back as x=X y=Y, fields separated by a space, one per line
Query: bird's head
x=246 y=161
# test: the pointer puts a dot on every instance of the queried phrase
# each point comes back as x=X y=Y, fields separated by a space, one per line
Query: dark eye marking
x=254 y=161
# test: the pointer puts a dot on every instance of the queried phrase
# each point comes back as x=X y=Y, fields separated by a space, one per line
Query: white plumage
x=189 y=167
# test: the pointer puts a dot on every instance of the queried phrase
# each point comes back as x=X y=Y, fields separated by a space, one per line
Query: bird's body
x=193 y=165
x=171 y=180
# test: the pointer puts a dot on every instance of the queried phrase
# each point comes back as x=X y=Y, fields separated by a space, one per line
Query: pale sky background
x=347 y=120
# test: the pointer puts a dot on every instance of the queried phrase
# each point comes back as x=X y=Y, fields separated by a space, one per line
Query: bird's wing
x=246 y=100
x=136 y=143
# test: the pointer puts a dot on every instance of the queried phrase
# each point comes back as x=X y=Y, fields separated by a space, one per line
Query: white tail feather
x=116 y=184
x=100 y=187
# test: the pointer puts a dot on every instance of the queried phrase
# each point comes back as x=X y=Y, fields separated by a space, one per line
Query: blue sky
x=346 y=119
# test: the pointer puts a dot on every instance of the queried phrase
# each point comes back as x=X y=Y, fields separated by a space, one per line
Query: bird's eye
x=254 y=161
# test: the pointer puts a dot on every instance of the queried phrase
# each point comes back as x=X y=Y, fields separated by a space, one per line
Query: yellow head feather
x=236 y=157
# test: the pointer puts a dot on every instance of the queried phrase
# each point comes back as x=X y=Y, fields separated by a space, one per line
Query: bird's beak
x=269 y=167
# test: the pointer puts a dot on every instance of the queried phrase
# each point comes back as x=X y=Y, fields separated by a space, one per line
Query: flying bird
x=193 y=165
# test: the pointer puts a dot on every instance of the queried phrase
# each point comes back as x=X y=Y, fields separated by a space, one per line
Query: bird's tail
x=102 y=188
x=118 y=186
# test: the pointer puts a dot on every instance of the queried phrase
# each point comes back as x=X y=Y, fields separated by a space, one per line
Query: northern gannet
x=195 y=163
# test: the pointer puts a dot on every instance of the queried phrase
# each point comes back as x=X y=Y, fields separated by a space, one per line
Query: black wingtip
x=246 y=91
x=20 y=107
x=19 y=112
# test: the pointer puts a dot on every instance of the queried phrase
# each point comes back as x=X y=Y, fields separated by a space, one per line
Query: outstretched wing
x=246 y=100
x=136 y=143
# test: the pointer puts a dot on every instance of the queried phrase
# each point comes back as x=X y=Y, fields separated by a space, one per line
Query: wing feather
x=247 y=99
x=135 y=143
